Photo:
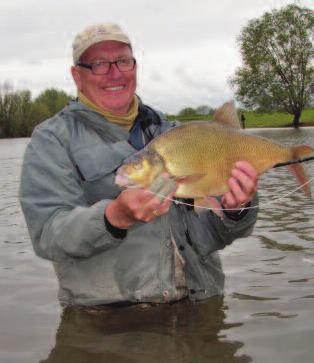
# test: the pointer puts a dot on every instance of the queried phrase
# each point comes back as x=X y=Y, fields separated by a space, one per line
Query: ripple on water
x=283 y=235
x=299 y=280
x=274 y=244
x=240 y=296
x=275 y=314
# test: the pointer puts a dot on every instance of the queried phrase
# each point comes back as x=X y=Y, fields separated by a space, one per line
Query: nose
x=114 y=71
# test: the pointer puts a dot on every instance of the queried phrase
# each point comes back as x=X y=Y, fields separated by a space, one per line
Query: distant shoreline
x=259 y=120
x=302 y=126
x=279 y=128
x=308 y=126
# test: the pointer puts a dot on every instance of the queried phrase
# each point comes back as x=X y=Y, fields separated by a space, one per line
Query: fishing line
x=233 y=209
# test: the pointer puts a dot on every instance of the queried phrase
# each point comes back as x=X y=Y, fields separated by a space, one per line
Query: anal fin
x=300 y=174
x=208 y=203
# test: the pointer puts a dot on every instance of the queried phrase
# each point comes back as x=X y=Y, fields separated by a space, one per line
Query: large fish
x=199 y=156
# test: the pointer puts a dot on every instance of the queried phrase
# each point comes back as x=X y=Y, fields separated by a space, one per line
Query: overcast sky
x=186 y=49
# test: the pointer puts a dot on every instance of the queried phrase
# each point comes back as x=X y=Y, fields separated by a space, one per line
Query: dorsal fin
x=227 y=115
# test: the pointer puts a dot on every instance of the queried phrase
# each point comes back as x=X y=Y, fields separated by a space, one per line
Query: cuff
x=115 y=231
x=238 y=214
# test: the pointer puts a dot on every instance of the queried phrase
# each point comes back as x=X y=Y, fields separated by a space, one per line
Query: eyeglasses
x=103 y=67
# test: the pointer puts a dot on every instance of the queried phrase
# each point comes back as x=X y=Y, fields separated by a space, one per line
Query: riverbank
x=277 y=119
x=260 y=120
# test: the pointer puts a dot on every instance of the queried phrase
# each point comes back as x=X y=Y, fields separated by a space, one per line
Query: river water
x=266 y=314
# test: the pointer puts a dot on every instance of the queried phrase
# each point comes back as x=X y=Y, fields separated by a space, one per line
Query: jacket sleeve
x=59 y=220
x=210 y=232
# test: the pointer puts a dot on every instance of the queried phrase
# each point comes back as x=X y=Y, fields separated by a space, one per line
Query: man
x=242 y=118
x=108 y=245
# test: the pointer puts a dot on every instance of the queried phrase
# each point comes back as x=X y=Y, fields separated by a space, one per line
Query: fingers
x=242 y=184
x=163 y=186
x=152 y=209
x=248 y=170
x=148 y=204
x=162 y=191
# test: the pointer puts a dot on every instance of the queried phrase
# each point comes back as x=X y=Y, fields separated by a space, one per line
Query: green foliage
x=14 y=111
x=204 y=110
x=54 y=100
x=19 y=114
x=188 y=111
x=188 y=118
x=277 y=52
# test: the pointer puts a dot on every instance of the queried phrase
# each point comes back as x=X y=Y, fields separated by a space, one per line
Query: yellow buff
x=126 y=121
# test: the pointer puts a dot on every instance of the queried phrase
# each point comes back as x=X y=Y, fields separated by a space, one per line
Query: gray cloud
x=186 y=49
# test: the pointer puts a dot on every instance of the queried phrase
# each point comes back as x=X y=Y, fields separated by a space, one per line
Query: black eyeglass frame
x=90 y=66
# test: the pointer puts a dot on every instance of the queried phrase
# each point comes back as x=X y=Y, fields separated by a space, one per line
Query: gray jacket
x=68 y=180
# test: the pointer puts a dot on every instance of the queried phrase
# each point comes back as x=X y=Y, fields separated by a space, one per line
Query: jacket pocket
x=95 y=161
x=97 y=165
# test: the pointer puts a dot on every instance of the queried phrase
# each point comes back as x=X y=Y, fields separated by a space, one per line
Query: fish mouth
x=122 y=180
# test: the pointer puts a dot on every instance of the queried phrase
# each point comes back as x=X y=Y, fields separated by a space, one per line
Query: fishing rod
x=293 y=162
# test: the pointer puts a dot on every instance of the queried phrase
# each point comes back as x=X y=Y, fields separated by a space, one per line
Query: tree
x=19 y=114
x=23 y=116
x=277 y=53
x=187 y=111
x=9 y=104
x=53 y=99
x=204 y=110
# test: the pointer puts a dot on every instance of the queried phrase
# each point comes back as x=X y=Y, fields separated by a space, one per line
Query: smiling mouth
x=115 y=88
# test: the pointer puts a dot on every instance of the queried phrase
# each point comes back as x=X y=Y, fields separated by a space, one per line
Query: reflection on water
x=266 y=314
x=135 y=334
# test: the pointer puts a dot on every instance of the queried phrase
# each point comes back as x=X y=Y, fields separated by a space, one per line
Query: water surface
x=266 y=314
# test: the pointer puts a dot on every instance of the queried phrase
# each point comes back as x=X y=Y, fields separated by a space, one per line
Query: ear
x=77 y=77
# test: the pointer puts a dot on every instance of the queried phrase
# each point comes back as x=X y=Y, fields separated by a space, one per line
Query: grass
x=253 y=119
x=277 y=119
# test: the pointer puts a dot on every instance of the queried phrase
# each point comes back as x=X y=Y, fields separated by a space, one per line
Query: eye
x=124 y=62
x=99 y=63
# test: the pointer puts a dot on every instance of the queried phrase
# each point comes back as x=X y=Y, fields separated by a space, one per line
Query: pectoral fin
x=189 y=179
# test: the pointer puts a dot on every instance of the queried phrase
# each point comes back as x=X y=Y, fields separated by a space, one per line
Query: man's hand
x=141 y=205
x=243 y=186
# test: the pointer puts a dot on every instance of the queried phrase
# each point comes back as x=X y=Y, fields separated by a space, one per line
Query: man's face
x=114 y=91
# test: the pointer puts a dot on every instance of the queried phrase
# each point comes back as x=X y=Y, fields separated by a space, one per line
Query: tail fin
x=298 y=153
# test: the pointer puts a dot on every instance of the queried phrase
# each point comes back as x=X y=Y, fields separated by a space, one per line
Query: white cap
x=96 y=34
